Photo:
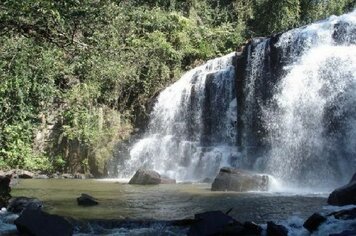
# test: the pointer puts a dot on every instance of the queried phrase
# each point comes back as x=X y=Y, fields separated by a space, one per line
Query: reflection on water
x=162 y=202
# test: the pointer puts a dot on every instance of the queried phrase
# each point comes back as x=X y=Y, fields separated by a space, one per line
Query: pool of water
x=163 y=202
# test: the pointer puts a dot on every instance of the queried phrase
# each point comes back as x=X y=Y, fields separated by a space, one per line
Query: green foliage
x=276 y=16
x=75 y=76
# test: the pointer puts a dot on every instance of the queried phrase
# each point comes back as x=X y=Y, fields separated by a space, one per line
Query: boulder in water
x=18 y=204
x=148 y=177
x=347 y=214
x=210 y=223
x=276 y=230
x=313 y=222
x=344 y=195
x=145 y=177
x=39 y=223
x=230 y=179
x=251 y=228
x=86 y=200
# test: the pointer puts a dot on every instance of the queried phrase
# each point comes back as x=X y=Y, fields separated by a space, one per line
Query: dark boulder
x=210 y=223
x=39 y=223
x=18 y=204
x=345 y=195
x=276 y=230
x=347 y=214
x=232 y=229
x=251 y=228
x=246 y=229
x=230 y=179
x=313 y=222
x=86 y=200
x=145 y=177
x=4 y=191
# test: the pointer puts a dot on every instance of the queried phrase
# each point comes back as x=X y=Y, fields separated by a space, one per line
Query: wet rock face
x=344 y=195
x=252 y=133
x=230 y=179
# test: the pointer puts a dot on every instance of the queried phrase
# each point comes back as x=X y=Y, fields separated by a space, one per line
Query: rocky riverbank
x=15 y=174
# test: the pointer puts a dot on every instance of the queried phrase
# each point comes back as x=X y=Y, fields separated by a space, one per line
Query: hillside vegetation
x=76 y=76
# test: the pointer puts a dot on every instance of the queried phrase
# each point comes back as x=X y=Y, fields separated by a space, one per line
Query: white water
x=312 y=123
x=192 y=128
x=309 y=121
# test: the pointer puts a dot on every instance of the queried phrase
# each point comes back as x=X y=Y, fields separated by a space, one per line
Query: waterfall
x=284 y=106
x=192 y=129
x=309 y=120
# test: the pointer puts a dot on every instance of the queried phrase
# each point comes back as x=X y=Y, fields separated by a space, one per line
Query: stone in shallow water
x=345 y=195
x=252 y=228
x=313 y=222
x=39 y=223
x=230 y=179
x=210 y=223
x=148 y=177
x=145 y=177
x=276 y=230
x=86 y=200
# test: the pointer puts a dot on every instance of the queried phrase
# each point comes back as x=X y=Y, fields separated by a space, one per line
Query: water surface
x=163 y=202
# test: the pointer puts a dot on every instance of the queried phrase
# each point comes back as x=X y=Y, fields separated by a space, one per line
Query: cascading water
x=192 y=129
x=309 y=120
x=289 y=111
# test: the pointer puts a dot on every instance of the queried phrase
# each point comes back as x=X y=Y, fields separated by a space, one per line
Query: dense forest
x=77 y=76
